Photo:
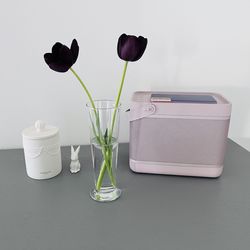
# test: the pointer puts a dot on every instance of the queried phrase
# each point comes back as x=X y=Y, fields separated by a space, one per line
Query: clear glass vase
x=104 y=131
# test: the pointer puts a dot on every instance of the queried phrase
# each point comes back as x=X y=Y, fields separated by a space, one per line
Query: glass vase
x=104 y=131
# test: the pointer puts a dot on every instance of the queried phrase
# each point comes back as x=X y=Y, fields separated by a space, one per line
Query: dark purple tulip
x=62 y=58
x=131 y=48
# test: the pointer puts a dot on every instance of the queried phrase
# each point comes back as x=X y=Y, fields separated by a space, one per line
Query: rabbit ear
x=72 y=150
x=78 y=149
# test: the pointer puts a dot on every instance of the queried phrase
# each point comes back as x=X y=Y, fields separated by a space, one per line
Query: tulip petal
x=56 y=48
x=59 y=67
x=130 y=49
x=74 y=50
x=48 y=57
x=55 y=64
x=65 y=55
x=134 y=48
x=121 y=41
x=142 y=44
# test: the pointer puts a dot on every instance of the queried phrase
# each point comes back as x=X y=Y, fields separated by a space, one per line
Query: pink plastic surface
x=178 y=138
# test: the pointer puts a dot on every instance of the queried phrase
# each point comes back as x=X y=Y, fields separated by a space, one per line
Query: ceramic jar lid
x=40 y=130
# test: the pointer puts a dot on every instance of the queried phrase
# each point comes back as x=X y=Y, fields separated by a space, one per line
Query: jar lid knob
x=40 y=125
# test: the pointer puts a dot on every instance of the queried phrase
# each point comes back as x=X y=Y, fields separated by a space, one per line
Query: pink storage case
x=178 y=133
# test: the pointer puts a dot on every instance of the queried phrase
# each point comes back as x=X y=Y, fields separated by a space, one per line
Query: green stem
x=104 y=164
x=121 y=85
x=100 y=176
x=107 y=159
x=85 y=88
x=90 y=99
x=118 y=100
x=110 y=156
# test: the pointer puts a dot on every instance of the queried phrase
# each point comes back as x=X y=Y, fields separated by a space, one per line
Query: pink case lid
x=142 y=106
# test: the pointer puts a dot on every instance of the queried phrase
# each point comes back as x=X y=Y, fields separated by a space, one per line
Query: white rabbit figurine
x=75 y=165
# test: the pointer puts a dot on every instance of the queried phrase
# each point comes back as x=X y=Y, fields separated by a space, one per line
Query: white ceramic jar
x=42 y=151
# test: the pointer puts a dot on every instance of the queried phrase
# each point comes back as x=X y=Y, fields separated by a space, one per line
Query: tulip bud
x=62 y=58
x=131 y=48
